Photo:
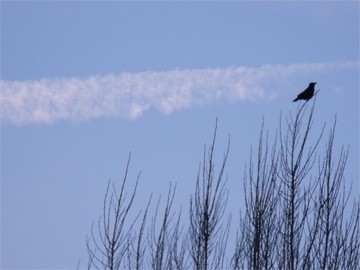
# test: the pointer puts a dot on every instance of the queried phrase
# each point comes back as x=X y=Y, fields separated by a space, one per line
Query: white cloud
x=129 y=95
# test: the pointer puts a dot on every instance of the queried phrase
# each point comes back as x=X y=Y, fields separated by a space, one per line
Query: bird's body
x=308 y=93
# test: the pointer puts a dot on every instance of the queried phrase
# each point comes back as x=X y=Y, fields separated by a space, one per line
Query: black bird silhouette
x=308 y=93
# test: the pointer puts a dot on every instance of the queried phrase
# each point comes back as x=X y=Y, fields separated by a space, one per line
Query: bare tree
x=296 y=211
x=179 y=246
x=258 y=234
x=137 y=244
x=297 y=157
x=351 y=238
x=333 y=240
x=107 y=248
x=208 y=238
x=160 y=242
x=295 y=216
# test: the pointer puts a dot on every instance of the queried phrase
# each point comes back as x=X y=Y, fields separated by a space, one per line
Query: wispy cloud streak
x=129 y=95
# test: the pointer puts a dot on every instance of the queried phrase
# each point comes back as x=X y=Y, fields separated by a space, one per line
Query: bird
x=308 y=93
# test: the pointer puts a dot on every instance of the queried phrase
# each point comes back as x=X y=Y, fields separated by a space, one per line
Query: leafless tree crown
x=297 y=212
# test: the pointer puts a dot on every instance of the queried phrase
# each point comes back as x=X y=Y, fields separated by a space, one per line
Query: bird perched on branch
x=308 y=93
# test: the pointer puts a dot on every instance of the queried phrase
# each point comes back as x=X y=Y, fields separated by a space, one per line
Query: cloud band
x=129 y=95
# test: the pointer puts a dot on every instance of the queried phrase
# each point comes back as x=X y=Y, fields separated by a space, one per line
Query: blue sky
x=85 y=83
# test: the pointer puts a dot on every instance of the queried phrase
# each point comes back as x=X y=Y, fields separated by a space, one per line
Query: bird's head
x=313 y=83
